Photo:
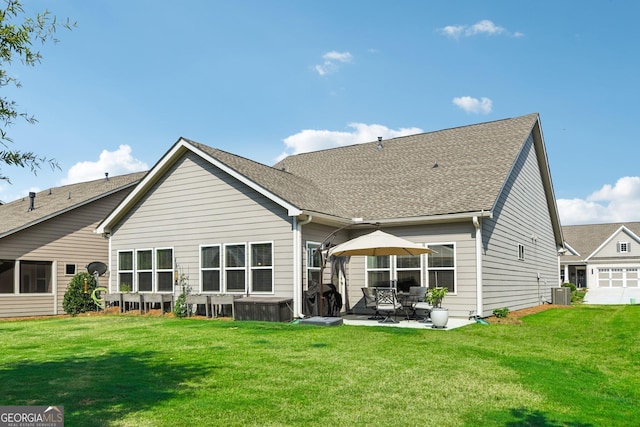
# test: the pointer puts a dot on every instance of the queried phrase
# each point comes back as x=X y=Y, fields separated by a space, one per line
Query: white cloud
x=474 y=105
x=618 y=203
x=117 y=162
x=481 y=27
x=313 y=140
x=331 y=62
x=453 y=31
x=484 y=27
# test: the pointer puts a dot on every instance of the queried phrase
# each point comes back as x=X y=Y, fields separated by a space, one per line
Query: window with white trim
x=164 y=270
x=144 y=270
x=235 y=264
x=210 y=268
x=441 y=266
x=70 y=269
x=379 y=271
x=125 y=271
x=408 y=272
x=35 y=277
x=623 y=247
x=399 y=271
x=314 y=263
x=520 y=252
x=7 y=276
x=261 y=267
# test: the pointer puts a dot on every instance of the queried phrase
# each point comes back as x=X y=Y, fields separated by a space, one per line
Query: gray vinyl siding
x=610 y=249
x=63 y=239
x=194 y=203
x=522 y=217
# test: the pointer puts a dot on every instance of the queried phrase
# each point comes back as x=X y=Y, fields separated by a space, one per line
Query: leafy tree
x=17 y=36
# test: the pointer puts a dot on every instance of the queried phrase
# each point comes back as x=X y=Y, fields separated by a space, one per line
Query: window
x=210 y=268
x=520 y=252
x=262 y=267
x=164 y=270
x=7 y=274
x=441 y=267
x=378 y=271
x=235 y=267
x=35 y=277
x=69 y=269
x=623 y=247
x=144 y=270
x=408 y=272
x=314 y=263
x=125 y=271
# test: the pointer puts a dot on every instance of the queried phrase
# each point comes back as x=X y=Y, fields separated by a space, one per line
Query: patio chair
x=387 y=302
x=370 y=302
x=416 y=295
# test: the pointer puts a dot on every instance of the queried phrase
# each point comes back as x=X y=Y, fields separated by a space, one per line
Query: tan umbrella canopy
x=378 y=243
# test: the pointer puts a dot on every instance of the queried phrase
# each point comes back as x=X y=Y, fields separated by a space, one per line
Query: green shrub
x=75 y=300
x=501 y=312
x=570 y=285
x=180 y=308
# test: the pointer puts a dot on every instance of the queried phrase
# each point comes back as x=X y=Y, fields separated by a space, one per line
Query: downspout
x=297 y=265
x=479 y=308
x=54 y=267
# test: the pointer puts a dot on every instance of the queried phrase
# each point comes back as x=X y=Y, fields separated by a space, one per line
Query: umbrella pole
x=324 y=259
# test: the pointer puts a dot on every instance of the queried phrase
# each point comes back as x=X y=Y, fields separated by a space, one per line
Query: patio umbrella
x=378 y=243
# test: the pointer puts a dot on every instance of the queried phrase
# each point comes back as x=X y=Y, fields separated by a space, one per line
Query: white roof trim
x=618 y=231
x=291 y=210
x=181 y=146
x=573 y=251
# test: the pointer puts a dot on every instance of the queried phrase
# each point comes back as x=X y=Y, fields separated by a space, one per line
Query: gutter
x=297 y=265
x=478 y=236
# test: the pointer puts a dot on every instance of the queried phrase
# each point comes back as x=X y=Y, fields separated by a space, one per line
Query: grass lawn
x=571 y=367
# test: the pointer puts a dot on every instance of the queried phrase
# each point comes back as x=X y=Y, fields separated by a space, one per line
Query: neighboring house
x=48 y=238
x=602 y=255
x=481 y=196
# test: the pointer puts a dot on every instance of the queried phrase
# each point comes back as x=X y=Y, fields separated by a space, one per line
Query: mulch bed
x=514 y=316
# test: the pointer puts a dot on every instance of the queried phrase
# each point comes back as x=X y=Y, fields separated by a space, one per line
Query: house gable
x=179 y=149
x=622 y=243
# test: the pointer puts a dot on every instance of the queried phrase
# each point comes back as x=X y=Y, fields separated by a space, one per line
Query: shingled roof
x=449 y=171
x=585 y=239
x=49 y=203
x=452 y=171
x=300 y=191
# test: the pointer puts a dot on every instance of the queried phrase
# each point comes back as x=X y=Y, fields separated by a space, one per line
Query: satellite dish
x=97 y=267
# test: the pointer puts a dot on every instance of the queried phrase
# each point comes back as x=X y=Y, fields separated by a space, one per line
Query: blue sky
x=263 y=79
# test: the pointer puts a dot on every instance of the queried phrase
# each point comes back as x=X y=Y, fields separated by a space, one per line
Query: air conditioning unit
x=561 y=296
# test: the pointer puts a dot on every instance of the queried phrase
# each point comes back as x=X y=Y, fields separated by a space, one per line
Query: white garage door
x=619 y=277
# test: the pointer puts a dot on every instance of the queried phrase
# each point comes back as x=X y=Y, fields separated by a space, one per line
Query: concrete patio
x=363 y=320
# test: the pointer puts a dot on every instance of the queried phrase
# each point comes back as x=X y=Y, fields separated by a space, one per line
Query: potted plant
x=439 y=315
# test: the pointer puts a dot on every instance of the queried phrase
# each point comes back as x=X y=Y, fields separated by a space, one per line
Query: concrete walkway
x=610 y=296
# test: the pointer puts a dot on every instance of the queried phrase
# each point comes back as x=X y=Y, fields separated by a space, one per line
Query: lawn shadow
x=96 y=390
x=526 y=417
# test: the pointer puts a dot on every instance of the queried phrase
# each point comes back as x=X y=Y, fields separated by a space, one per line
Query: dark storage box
x=267 y=309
